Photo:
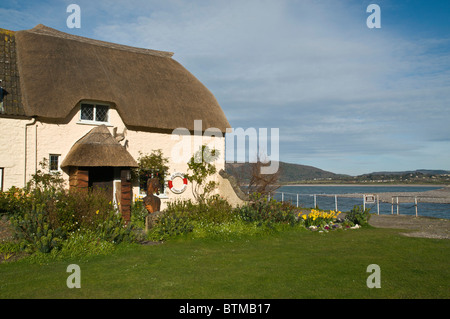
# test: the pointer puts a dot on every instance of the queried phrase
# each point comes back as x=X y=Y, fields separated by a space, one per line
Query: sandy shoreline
x=441 y=195
x=370 y=185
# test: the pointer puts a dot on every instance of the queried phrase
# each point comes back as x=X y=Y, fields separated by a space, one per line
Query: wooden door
x=102 y=178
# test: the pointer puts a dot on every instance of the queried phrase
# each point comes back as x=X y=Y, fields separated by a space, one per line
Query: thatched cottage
x=92 y=107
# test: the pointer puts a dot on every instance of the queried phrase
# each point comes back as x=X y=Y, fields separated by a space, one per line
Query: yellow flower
x=97 y=211
x=304 y=217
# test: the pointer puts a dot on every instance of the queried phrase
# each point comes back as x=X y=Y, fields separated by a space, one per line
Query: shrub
x=49 y=214
x=201 y=167
x=34 y=231
x=358 y=215
x=138 y=214
x=267 y=212
x=14 y=200
x=182 y=216
x=114 y=230
x=214 y=210
x=72 y=210
x=170 y=225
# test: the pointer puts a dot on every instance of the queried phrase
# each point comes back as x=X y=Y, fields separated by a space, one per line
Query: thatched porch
x=97 y=160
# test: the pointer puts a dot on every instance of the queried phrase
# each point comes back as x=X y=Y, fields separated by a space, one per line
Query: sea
x=306 y=199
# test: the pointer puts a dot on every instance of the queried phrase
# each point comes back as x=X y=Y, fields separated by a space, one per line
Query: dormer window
x=94 y=113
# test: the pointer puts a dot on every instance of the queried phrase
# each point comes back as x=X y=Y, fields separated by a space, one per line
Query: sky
x=346 y=98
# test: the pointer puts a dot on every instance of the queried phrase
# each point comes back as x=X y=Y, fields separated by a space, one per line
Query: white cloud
x=311 y=68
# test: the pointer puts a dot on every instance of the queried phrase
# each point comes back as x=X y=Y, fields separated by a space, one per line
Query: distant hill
x=420 y=171
x=289 y=173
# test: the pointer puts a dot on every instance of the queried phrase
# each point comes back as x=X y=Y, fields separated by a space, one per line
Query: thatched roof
x=10 y=86
x=98 y=148
x=148 y=88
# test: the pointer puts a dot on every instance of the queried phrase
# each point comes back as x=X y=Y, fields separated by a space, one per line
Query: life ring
x=174 y=189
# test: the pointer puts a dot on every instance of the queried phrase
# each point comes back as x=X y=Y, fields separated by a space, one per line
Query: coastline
x=440 y=195
x=370 y=185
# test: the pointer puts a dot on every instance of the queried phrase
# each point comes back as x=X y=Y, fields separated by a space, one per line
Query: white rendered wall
x=50 y=137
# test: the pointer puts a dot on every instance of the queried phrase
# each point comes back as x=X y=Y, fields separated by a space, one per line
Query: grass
x=291 y=264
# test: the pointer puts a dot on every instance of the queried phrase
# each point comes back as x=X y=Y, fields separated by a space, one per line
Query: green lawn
x=290 y=264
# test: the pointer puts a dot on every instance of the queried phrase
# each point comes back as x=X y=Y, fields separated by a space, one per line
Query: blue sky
x=345 y=98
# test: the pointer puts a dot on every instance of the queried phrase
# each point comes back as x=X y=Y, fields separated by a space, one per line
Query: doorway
x=102 y=178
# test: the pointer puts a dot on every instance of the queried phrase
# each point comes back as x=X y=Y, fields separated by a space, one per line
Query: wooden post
x=335 y=203
x=315 y=201
x=125 y=198
x=282 y=196
x=392 y=205
x=378 y=205
x=297 y=200
x=415 y=204
x=398 y=208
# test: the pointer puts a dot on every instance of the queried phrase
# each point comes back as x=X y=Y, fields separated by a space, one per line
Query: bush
x=182 y=216
x=114 y=230
x=43 y=214
x=14 y=200
x=358 y=215
x=138 y=214
x=267 y=212
x=169 y=225
x=214 y=209
x=75 y=209
x=34 y=231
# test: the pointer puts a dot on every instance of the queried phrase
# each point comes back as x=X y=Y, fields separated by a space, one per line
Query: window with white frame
x=94 y=113
x=54 y=162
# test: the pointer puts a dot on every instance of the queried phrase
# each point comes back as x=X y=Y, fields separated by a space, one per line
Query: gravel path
x=425 y=227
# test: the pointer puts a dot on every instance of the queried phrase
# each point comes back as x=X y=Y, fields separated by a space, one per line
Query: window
x=54 y=162
x=94 y=113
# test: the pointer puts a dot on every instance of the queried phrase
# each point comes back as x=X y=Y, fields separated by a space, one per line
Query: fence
x=346 y=202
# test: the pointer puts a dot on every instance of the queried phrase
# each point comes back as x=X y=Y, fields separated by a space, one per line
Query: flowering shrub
x=318 y=218
x=323 y=221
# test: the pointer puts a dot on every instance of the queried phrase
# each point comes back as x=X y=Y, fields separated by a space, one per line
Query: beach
x=439 y=196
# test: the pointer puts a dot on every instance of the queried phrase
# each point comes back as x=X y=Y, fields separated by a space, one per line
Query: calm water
x=306 y=199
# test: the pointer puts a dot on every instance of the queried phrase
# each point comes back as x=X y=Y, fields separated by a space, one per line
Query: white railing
x=365 y=200
x=316 y=197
